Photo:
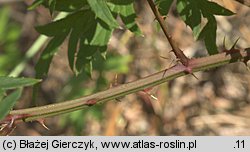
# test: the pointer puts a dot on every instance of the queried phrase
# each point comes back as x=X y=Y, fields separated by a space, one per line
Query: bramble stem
x=178 y=70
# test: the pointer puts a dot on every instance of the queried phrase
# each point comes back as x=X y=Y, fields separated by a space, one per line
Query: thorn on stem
x=195 y=76
x=146 y=91
x=114 y=84
x=189 y=70
x=171 y=51
x=232 y=48
x=42 y=122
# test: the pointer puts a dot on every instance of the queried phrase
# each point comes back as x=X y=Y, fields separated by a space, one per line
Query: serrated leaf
x=191 y=11
x=12 y=83
x=94 y=40
x=208 y=33
x=80 y=27
x=101 y=10
x=85 y=57
x=190 y=14
x=60 y=26
x=214 y=8
x=164 y=6
x=45 y=59
x=8 y=102
x=127 y=14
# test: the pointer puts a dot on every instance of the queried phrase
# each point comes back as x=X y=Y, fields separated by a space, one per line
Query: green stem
x=178 y=70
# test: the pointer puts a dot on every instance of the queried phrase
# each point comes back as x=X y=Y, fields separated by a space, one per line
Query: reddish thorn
x=41 y=122
x=5 y=130
x=10 y=119
x=91 y=102
x=8 y=125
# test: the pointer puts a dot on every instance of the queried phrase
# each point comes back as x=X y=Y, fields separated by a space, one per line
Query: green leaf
x=88 y=50
x=127 y=14
x=94 y=36
x=214 y=8
x=11 y=82
x=8 y=102
x=60 y=26
x=72 y=47
x=42 y=66
x=164 y=6
x=52 y=6
x=208 y=33
x=87 y=36
x=101 y=10
x=80 y=28
x=190 y=13
x=70 y=5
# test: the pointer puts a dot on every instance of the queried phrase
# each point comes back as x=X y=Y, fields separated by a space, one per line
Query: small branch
x=113 y=93
x=177 y=51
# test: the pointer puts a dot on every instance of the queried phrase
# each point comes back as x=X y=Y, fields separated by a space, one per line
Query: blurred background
x=215 y=104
